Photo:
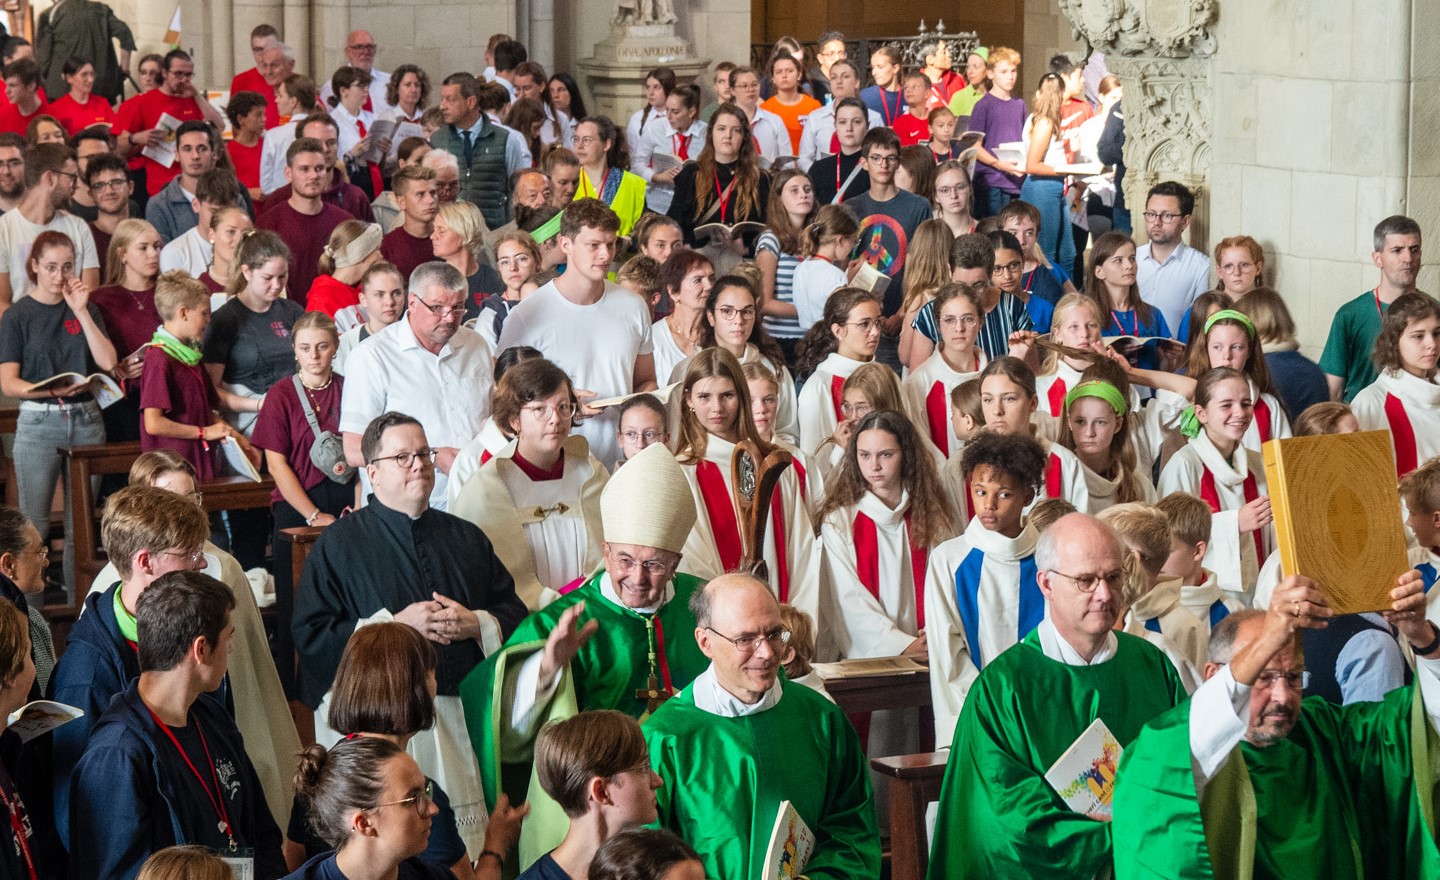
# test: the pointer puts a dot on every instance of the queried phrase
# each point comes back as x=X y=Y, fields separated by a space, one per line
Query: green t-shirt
x=1352 y=341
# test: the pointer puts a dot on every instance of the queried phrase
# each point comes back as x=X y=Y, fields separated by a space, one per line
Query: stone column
x=615 y=74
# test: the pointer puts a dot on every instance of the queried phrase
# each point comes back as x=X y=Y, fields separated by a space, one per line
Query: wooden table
x=871 y=693
x=914 y=783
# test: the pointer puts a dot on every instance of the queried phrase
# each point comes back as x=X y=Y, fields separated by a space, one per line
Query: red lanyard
x=837 y=174
x=216 y=799
x=1134 y=321
x=1030 y=279
x=17 y=824
x=722 y=195
x=1379 y=311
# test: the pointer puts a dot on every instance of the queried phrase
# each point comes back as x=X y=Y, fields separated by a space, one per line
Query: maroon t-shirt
x=282 y=427
x=184 y=394
x=405 y=250
x=306 y=235
x=130 y=316
x=102 y=246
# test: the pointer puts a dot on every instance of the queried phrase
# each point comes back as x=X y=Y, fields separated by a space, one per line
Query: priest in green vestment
x=741 y=740
x=1247 y=781
x=623 y=640
x=998 y=816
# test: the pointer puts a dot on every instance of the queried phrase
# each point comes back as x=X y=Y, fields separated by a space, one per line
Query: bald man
x=360 y=51
x=794 y=744
x=1031 y=703
x=1248 y=780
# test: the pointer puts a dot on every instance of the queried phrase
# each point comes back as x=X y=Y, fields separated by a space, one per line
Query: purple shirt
x=405 y=250
x=130 y=316
x=185 y=395
x=282 y=427
x=1003 y=122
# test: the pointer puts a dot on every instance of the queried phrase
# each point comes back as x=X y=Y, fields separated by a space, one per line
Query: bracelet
x=499 y=859
x=310 y=520
x=1423 y=650
x=199 y=433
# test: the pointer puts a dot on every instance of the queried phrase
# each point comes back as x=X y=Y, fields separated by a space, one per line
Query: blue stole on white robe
x=967 y=588
x=1218 y=612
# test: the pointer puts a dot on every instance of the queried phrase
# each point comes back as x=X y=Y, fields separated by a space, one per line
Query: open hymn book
x=105 y=389
x=40 y=717
x=791 y=843
x=1084 y=776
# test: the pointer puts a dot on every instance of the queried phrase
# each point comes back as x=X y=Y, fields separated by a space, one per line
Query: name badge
x=241 y=863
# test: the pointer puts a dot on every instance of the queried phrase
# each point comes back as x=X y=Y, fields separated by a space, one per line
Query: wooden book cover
x=1337 y=515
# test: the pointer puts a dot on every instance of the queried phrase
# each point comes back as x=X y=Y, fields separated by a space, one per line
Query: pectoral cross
x=652 y=693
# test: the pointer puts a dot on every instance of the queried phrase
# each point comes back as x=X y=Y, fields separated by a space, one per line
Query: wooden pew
x=85 y=462
x=9 y=419
x=301 y=540
x=903 y=690
x=914 y=782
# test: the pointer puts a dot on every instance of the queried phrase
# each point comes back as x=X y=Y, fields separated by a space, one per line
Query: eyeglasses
x=42 y=553
x=946 y=191
x=885 y=161
x=586 y=141
x=1236 y=267
x=362 y=47
x=949 y=321
x=101 y=185
x=633 y=437
x=422 y=801
x=74 y=178
x=1010 y=268
x=1162 y=216
x=856 y=410
x=13 y=163
x=406 y=459
x=193 y=558
x=652 y=567
x=566 y=411
x=1295 y=681
x=866 y=326
x=730 y=313
x=1086 y=583
x=776 y=639
x=442 y=311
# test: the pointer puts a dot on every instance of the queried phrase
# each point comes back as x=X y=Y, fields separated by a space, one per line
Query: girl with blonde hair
x=927 y=269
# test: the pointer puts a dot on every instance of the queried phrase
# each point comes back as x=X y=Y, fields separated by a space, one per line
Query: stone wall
x=1047 y=34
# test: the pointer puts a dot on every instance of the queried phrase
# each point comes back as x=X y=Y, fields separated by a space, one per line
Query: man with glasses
x=624 y=640
x=1289 y=788
x=793 y=743
x=50 y=177
x=888 y=218
x=303 y=217
x=426 y=365
x=400 y=559
x=137 y=120
x=360 y=52
x=1169 y=272
x=12 y=171
x=1032 y=702
x=146 y=532
x=165 y=767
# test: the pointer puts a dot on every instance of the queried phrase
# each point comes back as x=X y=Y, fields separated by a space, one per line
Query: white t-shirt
x=189 y=252
x=811 y=285
x=17 y=235
x=596 y=345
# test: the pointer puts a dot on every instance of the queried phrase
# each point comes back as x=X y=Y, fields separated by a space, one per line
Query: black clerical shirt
x=378 y=558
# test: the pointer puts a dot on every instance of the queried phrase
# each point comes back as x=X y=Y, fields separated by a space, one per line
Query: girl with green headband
x=1216 y=466
x=1405 y=398
x=1007 y=397
x=1229 y=340
x=1097 y=428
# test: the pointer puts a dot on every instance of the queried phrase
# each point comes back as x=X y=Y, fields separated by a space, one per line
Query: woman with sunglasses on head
x=538 y=500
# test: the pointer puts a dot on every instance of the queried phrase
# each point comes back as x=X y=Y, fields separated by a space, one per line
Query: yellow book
x=1337 y=515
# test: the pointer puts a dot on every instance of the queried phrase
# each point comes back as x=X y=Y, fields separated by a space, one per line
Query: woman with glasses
x=952 y=197
x=517 y=259
x=383 y=695
x=538 y=499
x=841 y=342
x=604 y=157
x=716 y=416
x=957 y=359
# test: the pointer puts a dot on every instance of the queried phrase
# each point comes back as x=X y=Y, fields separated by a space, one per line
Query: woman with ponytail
x=1405 y=398
x=1228 y=339
x=842 y=341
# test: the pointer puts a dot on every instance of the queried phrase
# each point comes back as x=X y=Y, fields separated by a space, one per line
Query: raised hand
x=565 y=642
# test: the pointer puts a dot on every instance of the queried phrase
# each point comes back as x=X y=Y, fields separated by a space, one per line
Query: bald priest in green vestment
x=740 y=741
x=624 y=640
x=1247 y=781
x=998 y=815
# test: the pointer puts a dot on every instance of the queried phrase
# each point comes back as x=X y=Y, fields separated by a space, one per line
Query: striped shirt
x=781 y=328
x=1008 y=316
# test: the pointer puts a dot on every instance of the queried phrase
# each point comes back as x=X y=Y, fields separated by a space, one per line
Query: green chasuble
x=725 y=779
x=607 y=673
x=998 y=816
x=1349 y=794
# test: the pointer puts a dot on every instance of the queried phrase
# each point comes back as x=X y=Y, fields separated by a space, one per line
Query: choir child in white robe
x=1097 y=428
x=1189 y=519
x=1228 y=477
x=967 y=418
x=1420 y=491
x=981 y=593
x=1229 y=340
x=871 y=388
x=765 y=409
x=538 y=500
x=1007 y=397
x=1405 y=398
x=842 y=341
x=732 y=322
x=882 y=517
x=643 y=422
x=957 y=359
x=1150 y=608
x=492 y=437
x=1076 y=323
x=715 y=416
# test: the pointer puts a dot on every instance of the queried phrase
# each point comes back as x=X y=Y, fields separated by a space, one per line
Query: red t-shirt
x=130 y=316
x=405 y=250
x=282 y=427
x=11 y=119
x=77 y=117
x=185 y=395
x=330 y=296
x=251 y=81
x=306 y=235
x=246 y=161
x=911 y=130
x=142 y=113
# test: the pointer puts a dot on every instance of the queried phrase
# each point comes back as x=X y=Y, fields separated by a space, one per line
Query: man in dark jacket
x=165 y=764
x=147 y=532
x=1111 y=149
x=88 y=30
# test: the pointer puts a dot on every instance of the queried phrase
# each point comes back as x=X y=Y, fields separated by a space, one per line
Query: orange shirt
x=793 y=115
